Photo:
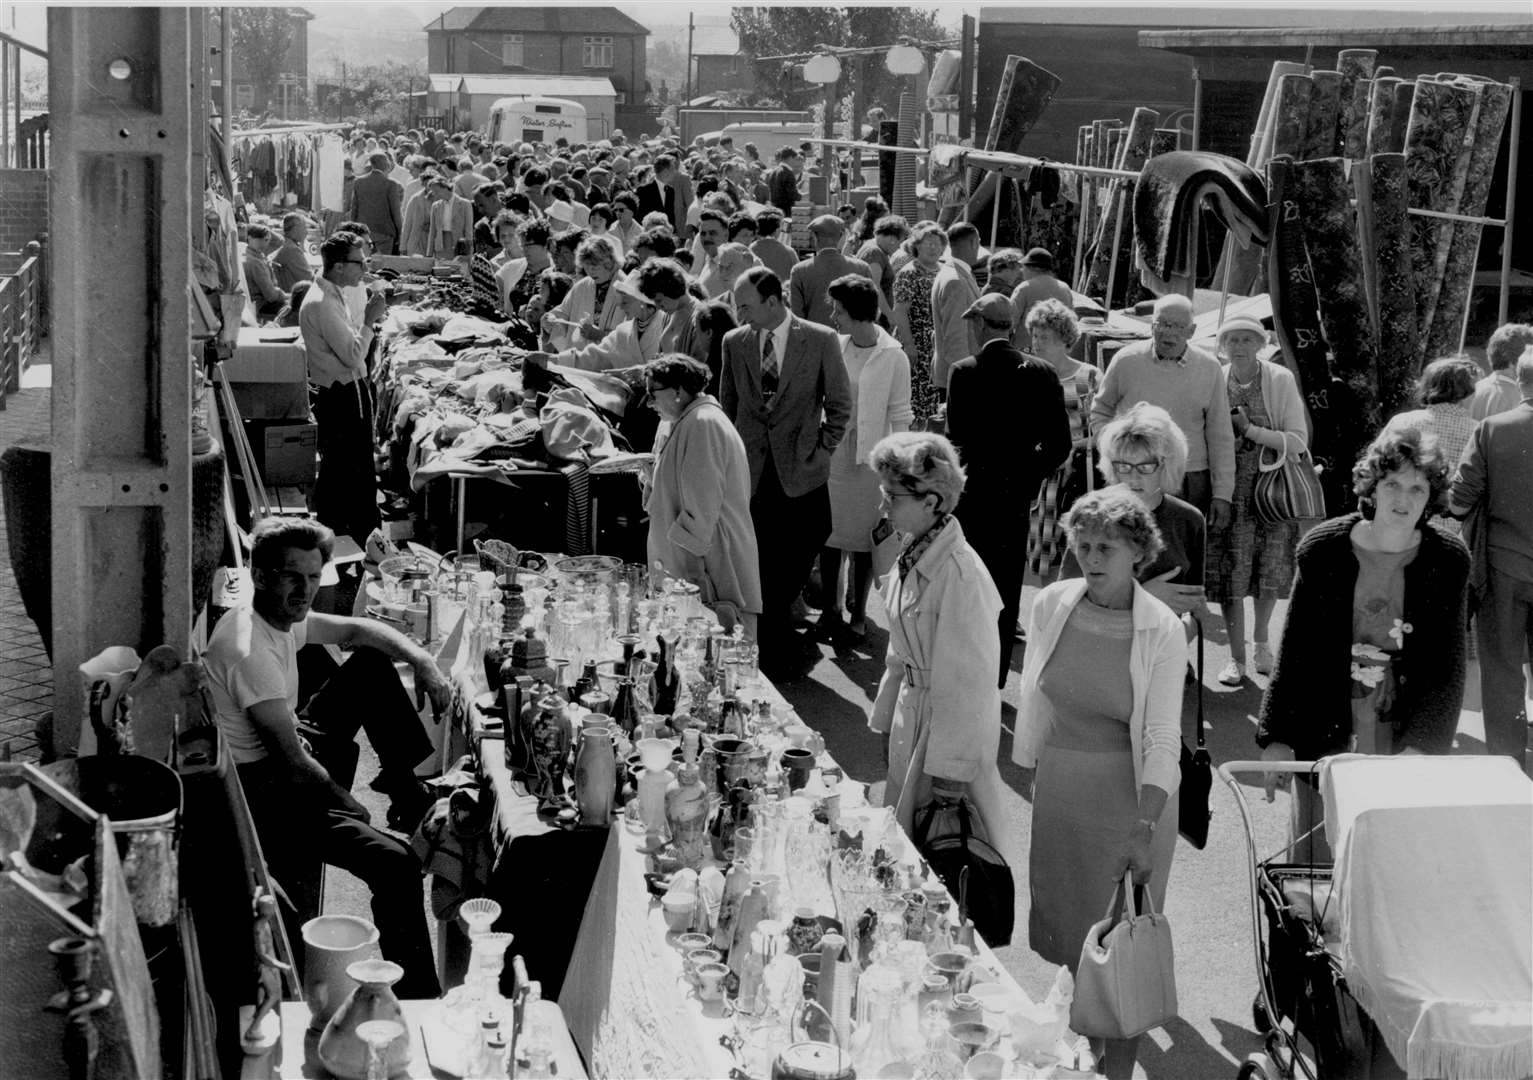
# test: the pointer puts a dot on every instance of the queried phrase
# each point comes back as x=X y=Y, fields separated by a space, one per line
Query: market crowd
x=905 y=409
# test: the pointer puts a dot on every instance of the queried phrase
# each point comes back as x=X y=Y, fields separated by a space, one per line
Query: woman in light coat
x=593 y=308
x=1099 y=718
x=699 y=496
x=937 y=705
x=879 y=373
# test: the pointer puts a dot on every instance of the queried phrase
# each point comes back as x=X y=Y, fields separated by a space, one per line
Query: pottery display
x=595 y=773
x=341 y=1049
x=332 y=943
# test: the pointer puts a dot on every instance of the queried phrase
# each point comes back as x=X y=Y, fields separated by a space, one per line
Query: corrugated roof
x=527 y=18
x=537 y=86
x=714 y=41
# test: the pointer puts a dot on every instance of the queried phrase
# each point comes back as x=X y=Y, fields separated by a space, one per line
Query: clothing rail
x=301 y=129
x=866 y=50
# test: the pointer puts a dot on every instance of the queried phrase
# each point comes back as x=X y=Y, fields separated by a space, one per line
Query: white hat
x=1232 y=323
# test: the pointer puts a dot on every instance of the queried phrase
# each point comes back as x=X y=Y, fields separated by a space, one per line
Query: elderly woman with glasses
x=699 y=494
x=1146 y=452
x=937 y=706
x=1099 y=720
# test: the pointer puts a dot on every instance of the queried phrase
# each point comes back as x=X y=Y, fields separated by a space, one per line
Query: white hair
x=1174 y=303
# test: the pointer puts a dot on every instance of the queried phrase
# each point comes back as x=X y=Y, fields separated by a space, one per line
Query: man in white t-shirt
x=300 y=811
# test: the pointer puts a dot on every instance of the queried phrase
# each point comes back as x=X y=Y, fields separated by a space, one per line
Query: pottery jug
x=734 y=762
x=341 y=1050
x=331 y=944
x=595 y=773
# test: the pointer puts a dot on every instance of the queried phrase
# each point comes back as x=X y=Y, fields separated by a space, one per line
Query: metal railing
x=21 y=319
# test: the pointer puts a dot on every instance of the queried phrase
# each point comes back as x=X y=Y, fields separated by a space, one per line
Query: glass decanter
x=937 y=1061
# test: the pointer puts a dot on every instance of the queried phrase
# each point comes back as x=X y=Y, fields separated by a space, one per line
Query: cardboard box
x=271 y=400
x=285 y=453
x=268 y=355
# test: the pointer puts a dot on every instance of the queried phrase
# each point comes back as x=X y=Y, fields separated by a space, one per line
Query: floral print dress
x=1378 y=635
x=913 y=288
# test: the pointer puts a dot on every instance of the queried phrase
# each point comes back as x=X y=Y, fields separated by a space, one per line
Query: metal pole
x=966 y=80
x=995 y=209
x=5 y=93
x=1197 y=110
x=1511 y=202
x=1117 y=238
x=690 y=29
x=226 y=86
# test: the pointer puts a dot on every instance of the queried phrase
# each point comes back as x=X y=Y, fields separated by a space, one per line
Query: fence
x=21 y=319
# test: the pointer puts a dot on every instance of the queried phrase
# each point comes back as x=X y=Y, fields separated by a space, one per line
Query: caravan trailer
x=537 y=119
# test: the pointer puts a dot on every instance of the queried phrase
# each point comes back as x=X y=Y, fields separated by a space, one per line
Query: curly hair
x=921 y=462
x=598 y=250
x=1503 y=348
x=661 y=277
x=927 y=229
x=891 y=225
x=1403 y=445
x=1450 y=379
x=677 y=371
x=1114 y=509
x=1053 y=315
x=1150 y=430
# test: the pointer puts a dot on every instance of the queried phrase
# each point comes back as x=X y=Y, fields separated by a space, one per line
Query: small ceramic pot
x=341 y=1050
x=697 y=958
x=678 y=911
x=804 y=933
x=710 y=981
x=331 y=944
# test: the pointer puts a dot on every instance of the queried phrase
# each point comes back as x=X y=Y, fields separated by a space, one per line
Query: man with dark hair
x=809 y=282
x=345 y=492
x=1499 y=391
x=267 y=299
x=1495 y=477
x=782 y=182
x=742 y=228
x=416 y=228
x=775 y=255
x=1006 y=415
x=534 y=181
x=712 y=232
x=666 y=193
x=784 y=385
x=378 y=201
x=450 y=222
x=298 y=791
x=952 y=292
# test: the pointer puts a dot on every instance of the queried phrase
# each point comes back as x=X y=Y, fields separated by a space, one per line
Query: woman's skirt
x=1084 y=806
x=854 y=503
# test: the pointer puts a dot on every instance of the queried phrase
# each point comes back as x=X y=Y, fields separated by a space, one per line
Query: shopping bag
x=1125 y=983
x=970 y=868
x=1288 y=489
x=1193 y=814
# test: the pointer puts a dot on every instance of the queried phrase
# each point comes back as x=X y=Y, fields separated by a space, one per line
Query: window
x=597 y=52
x=511 y=50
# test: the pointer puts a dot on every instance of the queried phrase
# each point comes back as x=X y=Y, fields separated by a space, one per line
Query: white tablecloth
x=1434 y=865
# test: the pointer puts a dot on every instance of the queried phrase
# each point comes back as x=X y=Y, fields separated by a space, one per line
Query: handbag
x=1193 y=814
x=1126 y=981
x=971 y=869
x=1288 y=489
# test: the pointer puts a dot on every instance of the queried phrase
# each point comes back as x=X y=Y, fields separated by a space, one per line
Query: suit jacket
x=782 y=189
x=809 y=283
x=810 y=411
x=674 y=205
x=448 y=222
x=777 y=257
x=378 y=202
x=1006 y=415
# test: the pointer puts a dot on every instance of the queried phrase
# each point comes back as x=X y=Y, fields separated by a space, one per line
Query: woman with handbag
x=937 y=705
x=1053 y=330
x=1253 y=556
x=1099 y=719
x=1372 y=658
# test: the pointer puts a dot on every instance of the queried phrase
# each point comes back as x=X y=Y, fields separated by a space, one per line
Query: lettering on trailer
x=551 y=123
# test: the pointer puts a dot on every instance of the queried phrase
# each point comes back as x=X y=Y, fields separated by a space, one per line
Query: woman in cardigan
x=937 y=705
x=700 y=492
x=1372 y=658
x=1100 y=720
x=593 y=308
x=1250 y=557
x=879 y=374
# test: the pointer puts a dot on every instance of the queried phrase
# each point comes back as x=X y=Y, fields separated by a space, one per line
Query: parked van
x=768 y=136
x=537 y=119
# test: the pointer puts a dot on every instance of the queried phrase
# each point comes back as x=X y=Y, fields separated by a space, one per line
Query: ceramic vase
x=595 y=774
x=332 y=943
x=805 y=932
x=341 y=1050
x=548 y=739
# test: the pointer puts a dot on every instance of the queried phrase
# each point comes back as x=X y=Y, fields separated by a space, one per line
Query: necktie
x=768 y=369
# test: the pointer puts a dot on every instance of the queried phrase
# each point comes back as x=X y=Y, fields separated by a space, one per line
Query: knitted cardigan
x=1308 y=703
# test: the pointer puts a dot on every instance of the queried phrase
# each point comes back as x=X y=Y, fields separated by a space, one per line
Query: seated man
x=300 y=812
x=264 y=294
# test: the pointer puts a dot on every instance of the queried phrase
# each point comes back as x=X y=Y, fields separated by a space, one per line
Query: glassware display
x=937 y=1060
x=378 y=1035
x=877 y=1048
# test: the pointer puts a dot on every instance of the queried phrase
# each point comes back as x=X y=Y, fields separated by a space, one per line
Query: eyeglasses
x=1179 y=327
x=1143 y=468
x=889 y=496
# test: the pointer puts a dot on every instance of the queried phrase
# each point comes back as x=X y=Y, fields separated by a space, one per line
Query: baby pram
x=1411 y=954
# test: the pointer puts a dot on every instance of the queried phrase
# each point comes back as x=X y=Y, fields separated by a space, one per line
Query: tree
x=779 y=31
x=261 y=38
x=376 y=95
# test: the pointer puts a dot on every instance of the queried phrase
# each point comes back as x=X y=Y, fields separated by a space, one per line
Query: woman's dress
x=1250 y=557
x=913 y=288
x=1045 y=534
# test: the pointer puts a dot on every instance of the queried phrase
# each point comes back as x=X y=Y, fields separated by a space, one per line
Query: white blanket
x=1434 y=864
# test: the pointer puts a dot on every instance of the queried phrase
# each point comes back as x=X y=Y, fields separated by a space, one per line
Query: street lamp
x=905 y=59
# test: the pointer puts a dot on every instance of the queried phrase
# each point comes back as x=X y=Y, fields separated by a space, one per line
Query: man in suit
x=667 y=193
x=809 y=282
x=450 y=221
x=784 y=386
x=782 y=182
x=1006 y=415
x=378 y=202
x=1495 y=476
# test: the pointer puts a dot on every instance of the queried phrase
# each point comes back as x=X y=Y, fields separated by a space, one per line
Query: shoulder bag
x=1193 y=814
x=1289 y=488
x=972 y=870
x=1126 y=981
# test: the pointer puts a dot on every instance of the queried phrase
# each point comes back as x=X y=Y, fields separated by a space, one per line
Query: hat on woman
x=627 y=287
x=1039 y=259
x=1232 y=323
